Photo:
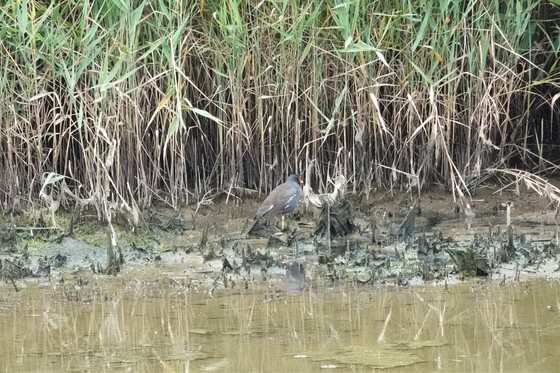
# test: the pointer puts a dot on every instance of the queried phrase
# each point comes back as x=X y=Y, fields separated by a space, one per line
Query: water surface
x=152 y=322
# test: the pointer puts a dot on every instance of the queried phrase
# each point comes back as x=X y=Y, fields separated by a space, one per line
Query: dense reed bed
x=118 y=105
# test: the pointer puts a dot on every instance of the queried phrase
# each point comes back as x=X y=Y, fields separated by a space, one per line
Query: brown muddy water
x=153 y=320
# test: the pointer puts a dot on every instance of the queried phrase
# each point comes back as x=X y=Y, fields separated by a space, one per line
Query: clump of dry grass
x=531 y=181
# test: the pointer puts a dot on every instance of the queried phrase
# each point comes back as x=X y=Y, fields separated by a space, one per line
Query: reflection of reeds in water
x=163 y=326
x=110 y=330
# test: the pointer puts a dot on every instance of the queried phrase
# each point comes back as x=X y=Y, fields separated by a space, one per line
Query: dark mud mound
x=335 y=220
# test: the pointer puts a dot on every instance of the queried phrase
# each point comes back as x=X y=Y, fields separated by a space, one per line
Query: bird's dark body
x=282 y=200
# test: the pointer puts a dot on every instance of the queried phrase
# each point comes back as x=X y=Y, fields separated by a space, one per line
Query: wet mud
x=375 y=239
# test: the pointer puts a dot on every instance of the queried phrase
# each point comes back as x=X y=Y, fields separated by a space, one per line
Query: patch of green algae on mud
x=35 y=230
x=97 y=234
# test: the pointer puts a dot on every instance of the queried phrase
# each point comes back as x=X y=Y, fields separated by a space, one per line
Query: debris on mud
x=366 y=244
x=406 y=228
x=335 y=219
x=470 y=262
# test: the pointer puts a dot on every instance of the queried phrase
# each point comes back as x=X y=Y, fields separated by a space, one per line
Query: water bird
x=282 y=200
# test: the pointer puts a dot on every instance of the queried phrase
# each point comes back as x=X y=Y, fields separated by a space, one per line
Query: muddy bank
x=397 y=239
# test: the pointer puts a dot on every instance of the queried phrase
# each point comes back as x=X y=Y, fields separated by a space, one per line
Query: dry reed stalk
x=533 y=182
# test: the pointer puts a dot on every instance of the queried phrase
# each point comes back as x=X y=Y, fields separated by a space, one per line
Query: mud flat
x=395 y=239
